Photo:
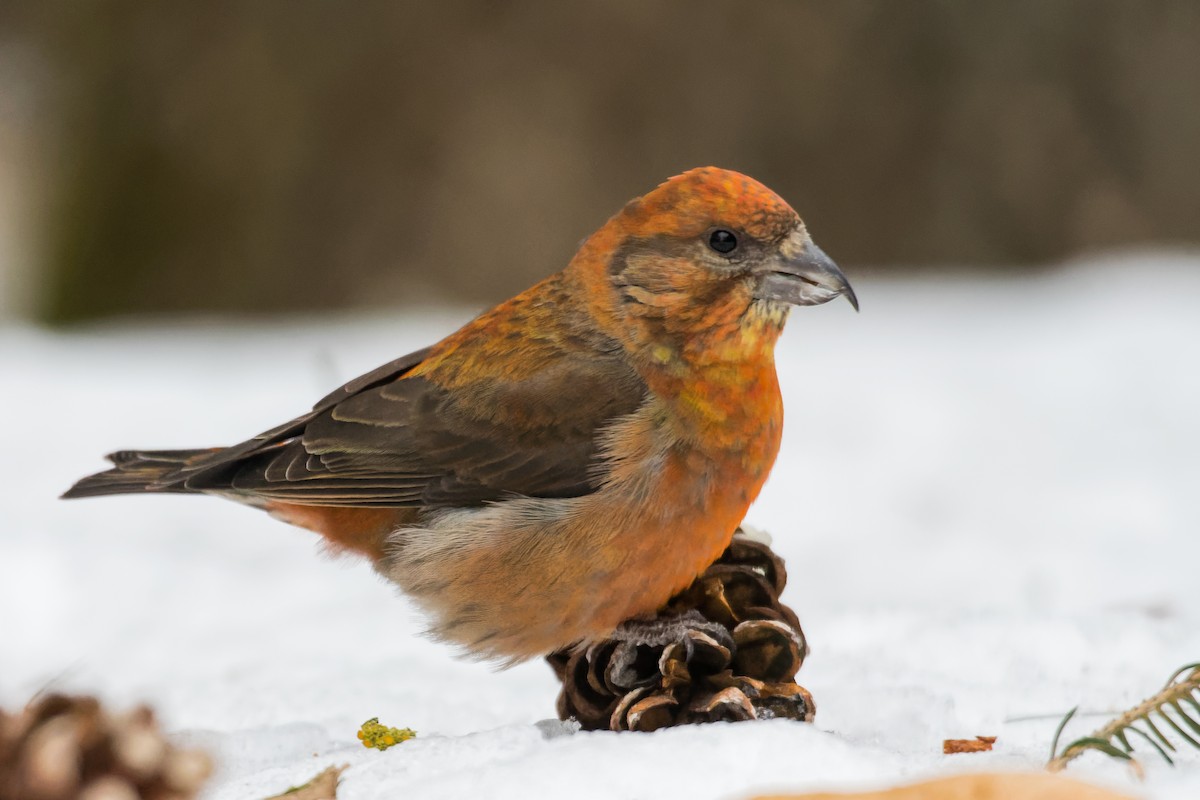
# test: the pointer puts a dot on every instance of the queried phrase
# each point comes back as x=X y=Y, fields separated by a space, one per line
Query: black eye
x=722 y=241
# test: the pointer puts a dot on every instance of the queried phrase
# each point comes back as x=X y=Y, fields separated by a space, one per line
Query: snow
x=987 y=497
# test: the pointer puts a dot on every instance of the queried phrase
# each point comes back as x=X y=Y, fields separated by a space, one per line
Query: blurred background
x=295 y=156
x=211 y=213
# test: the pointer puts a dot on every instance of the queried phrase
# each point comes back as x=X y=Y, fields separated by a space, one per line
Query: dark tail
x=137 y=472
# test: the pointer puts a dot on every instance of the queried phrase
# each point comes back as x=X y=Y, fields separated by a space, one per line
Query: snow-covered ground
x=988 y=497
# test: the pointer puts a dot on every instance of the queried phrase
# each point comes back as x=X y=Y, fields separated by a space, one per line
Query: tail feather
x=137 y=472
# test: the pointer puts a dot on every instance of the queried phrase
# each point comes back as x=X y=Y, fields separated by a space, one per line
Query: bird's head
x=708 y=253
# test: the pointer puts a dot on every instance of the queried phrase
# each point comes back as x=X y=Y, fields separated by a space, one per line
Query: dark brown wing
x=209 y=467
x=390 y=440
x=142 y=471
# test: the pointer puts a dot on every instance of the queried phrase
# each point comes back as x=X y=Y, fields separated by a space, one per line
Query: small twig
x=1044 y=717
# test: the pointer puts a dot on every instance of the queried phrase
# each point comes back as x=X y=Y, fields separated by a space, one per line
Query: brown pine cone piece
x=725 y=648
x=70 y=748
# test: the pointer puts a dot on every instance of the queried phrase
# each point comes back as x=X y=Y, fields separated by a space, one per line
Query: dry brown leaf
x=980 y=744
x=1014 y=786
x=321 y=787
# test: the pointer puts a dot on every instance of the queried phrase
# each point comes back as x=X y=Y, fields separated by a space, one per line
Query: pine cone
x=725 y=648
x=63 y=748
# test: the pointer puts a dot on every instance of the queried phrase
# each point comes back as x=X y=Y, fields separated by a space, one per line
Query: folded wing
x=393 y=439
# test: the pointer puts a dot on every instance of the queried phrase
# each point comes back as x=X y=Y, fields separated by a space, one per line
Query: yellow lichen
x=381 y=737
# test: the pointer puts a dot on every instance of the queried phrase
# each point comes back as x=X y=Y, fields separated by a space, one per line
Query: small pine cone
x=725 y=648
x=63 y=748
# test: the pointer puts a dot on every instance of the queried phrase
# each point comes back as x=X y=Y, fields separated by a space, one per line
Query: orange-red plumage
x=572 y=457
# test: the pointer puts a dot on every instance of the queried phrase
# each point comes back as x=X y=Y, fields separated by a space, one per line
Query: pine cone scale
x=69 y=748
x=723 y=649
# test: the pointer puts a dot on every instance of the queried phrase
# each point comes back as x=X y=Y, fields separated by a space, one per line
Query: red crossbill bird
x=568 y=460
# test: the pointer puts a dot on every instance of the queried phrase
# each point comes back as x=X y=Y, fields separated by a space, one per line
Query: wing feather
x=392 y=439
